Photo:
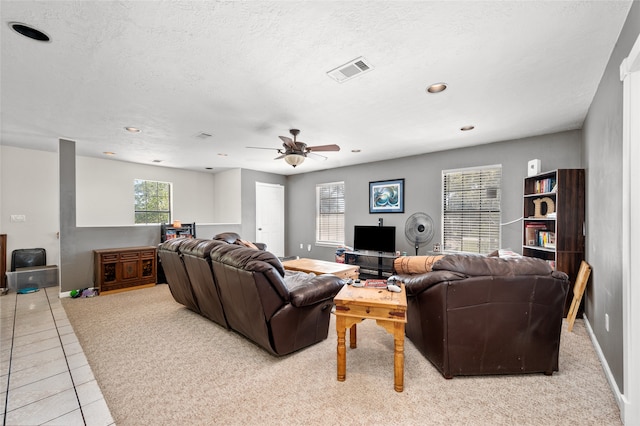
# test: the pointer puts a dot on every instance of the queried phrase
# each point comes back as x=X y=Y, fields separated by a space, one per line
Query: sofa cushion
x=317 y=289
x=410 y=265
x=478 y=265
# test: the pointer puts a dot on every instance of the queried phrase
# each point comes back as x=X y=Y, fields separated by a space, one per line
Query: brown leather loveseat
x=476 y=315
x=281 y=311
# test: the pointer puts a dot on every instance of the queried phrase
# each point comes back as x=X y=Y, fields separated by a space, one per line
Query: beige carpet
x=159 y=363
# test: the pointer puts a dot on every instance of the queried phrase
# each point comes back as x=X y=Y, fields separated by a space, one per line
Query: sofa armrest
x=415 y=284
x=317 y=289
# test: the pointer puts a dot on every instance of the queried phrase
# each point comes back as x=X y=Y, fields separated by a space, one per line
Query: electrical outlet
x=606 y=322
x=301 y=246
x=18 y=218
x=309 y=247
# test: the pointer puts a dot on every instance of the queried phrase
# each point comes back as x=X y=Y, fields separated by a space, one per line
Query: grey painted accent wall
x=423 y=188
x=67 y=182
x=602 y=133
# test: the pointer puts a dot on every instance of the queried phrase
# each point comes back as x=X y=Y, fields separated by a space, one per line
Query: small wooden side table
x=355 y=304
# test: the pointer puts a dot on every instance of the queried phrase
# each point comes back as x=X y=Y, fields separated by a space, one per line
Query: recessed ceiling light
x=109 y=153
x=466 y=128
x=29 y=32
x=209 y=168
x=355 y=150
x=437 y=88
x=132 y=129
x=156 y=161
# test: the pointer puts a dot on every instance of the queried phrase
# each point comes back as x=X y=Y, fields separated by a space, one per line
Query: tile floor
x=44 y=376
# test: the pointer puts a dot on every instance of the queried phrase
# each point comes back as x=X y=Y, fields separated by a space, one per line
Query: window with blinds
x=330 y=213
x=471 y=209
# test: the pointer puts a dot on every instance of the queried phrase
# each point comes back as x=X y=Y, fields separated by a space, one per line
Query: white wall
x=29 y=187
x=104 y=192
x=227 y=205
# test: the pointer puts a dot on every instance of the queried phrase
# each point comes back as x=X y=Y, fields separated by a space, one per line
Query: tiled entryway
x=44 y=376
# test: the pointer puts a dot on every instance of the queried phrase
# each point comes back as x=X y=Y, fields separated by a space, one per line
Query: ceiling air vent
x=350 y=70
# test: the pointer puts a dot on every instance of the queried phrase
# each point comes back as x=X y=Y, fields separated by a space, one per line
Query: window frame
x=328 y=242
x=169 y=212
x=493 y=222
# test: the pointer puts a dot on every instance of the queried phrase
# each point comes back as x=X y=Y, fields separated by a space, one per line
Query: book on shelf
x=532 y=231
x=544 y=186
x=547 y=239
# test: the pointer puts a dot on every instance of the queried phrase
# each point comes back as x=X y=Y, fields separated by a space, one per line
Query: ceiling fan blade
x=280 y=156
x=259 y=147
x=288 y=142
x=324 y=148
x=316 y=156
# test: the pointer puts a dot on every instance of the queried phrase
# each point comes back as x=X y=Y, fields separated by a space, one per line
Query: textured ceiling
x=246 y=72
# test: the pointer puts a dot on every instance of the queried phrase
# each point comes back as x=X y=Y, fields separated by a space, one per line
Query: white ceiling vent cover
x=350 y=70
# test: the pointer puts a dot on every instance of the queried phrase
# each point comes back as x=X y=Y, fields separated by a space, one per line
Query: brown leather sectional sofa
x=475 y=315
x=248 y=291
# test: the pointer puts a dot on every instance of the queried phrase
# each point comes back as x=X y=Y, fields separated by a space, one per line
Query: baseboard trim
x=619 y=397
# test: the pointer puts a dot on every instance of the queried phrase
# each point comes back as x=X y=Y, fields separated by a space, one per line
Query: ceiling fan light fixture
x=294 y=159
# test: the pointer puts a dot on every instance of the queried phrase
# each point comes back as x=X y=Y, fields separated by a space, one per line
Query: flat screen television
x=374 y=238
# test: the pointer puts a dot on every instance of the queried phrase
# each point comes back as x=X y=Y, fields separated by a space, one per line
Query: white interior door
x=270 y=217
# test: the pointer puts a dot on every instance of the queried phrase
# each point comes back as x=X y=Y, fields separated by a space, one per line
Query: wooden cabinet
x=121 y=269
x=553 y=225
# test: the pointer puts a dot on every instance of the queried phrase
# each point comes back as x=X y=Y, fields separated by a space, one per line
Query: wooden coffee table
x=355 y=304
x=320 y=267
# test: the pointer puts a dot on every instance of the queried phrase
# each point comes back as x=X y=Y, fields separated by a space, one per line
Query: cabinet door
x=108 y=270
x=130 y=266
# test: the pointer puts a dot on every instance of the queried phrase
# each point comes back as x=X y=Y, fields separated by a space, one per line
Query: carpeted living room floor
x=159 y=363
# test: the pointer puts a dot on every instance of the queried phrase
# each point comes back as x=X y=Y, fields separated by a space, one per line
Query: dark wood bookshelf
x=565 y=188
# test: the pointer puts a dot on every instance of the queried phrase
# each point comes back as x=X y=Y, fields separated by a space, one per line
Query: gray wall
x=602 y=133
x=423 y=192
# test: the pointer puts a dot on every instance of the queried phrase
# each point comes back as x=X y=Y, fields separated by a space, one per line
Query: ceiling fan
x=295 y=151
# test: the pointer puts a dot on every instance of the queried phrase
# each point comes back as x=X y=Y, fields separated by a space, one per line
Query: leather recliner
x=280 y=313
x=197 y=262
x=176 y=273
x=476 y=315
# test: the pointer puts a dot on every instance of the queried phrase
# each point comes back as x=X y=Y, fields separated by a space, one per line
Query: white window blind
x=471 y=209
x=330 y=213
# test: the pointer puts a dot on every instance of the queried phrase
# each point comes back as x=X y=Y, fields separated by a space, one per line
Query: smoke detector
x=350 y=70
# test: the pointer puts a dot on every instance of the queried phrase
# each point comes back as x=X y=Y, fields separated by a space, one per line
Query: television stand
x=373 y=264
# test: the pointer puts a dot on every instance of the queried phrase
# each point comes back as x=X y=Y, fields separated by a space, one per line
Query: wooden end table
x=355 y=304
x=320 y=267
